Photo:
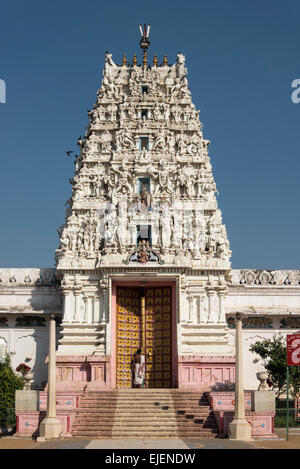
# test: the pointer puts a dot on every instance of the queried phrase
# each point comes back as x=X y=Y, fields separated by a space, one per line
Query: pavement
x=11 y=442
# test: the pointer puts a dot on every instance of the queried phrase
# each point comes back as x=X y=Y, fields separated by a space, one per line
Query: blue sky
x=242 y=58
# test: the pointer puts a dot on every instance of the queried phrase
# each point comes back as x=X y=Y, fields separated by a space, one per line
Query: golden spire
x=165 y=61
x=155 y=60
x=134 y=60
x=145 y=59
x=124 y=61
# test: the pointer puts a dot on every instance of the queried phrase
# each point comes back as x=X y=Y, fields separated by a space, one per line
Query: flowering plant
x=23 y=368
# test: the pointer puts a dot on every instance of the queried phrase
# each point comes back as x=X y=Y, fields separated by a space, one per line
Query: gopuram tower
x=144 y=258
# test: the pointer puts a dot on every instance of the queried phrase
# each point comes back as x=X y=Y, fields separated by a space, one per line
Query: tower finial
x=144 y=42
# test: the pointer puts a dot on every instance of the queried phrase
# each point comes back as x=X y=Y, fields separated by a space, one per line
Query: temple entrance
x=144 y=320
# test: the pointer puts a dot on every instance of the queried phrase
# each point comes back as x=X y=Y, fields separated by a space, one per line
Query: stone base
x=222 y=404
x=50 y=428
x=263 y=401
x=239 y=429
x=27 y=400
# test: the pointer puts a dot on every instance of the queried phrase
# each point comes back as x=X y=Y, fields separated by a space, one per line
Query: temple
x=143 y=221
x=143 y=259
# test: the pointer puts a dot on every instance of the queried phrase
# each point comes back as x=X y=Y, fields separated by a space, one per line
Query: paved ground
x=10 y=442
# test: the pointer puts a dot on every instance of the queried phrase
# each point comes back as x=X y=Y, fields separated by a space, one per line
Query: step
x=149 y=406
x=150 y=413
x=138 y=435
x=153 y=423
x=148 y=418
x=145 y=397
x=131 y=401
x=135 y=405
x=161 y=420
x=130 y=422
x=146 y=392
x=129 y=411
x=133 y=426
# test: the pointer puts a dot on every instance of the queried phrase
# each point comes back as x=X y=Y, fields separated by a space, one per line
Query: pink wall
x=75 y=372
x=206 y=373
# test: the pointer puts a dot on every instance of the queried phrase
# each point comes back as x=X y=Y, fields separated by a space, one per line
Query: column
x=51 y=427
x=210 y=295
x=194 y=310
x=199 y=310
x=221 y=318
x=239 y=428
x=85 y=309
x=103 y=290
x=181 y=300
x=191 y=307
x=104 y=318
x=89 y=309
x=102 y=308
x=67 y=306
x=76 y=307
x=96 y=310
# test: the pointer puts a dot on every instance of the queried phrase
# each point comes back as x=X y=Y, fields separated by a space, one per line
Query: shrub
x=9 y=383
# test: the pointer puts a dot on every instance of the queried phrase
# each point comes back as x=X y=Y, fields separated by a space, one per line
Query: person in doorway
x=138 y=363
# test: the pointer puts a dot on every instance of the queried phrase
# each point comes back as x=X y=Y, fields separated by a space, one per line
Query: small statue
x=143 y=251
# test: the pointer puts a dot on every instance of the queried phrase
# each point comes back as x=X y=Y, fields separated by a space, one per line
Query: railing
x=284 y=418
x=7 y=417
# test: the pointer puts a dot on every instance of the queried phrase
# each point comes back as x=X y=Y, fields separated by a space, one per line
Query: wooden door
x=158 y=337
x=128 y=332
x=157 y=332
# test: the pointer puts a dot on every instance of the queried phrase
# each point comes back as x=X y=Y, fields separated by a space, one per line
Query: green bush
x=273 y=353
x=9 y=383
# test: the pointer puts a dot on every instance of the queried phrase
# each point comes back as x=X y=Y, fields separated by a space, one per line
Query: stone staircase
x=144 y=413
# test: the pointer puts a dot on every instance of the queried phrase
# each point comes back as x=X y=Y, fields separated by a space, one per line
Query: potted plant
x=262 y=376
x=25 y=371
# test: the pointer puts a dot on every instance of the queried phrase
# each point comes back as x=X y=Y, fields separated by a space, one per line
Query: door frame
x=113 y=321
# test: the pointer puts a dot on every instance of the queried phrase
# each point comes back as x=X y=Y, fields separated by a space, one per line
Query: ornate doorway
x=144 y=320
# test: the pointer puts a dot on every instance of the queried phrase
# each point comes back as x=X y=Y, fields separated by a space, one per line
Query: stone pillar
x=210 y=295
x=190 y=314
x=85 y=309
x=221 y=318
x=101 y=307
x=104 y=300
x=96 y=315
x=182 y=303
x=201 y=310
x=67 y=306
x=194 y=310
x=51 y=427
x=103 y=290
x=239 y=428
x=89 y=309
x=76 y=306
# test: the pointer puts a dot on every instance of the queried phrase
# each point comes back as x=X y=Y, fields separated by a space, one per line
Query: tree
x=273 y=353
x=9 y=383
